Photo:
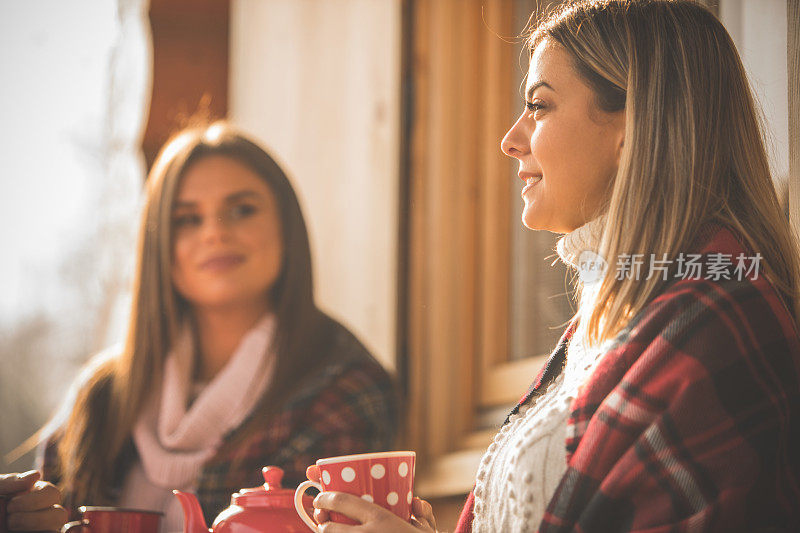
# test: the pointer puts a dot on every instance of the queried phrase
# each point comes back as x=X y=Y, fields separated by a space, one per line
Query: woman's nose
x=514 y=142
x=507 y=147
x=215 y=228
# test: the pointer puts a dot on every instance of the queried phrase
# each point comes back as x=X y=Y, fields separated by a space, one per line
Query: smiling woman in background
x=228 y=364
x=672 y=401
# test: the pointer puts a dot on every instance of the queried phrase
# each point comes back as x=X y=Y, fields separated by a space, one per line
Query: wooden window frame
x=458 y=236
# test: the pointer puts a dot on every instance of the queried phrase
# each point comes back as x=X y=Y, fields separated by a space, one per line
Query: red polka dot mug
x=384 y=478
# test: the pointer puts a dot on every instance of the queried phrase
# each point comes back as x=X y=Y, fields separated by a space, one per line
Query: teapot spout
x=193 y=520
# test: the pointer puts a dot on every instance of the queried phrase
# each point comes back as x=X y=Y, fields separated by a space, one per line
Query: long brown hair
x=98 y=429
x=693 y=150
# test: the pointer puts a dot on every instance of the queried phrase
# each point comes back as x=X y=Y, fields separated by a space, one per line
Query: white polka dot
x=326 y=477
x=348 y=474
x=403 y=469
x=368 y=498
x=392 y=498
x=377 y=471
x=409 y=497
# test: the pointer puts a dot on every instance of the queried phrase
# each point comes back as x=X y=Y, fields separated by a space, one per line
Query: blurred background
x=387 y=115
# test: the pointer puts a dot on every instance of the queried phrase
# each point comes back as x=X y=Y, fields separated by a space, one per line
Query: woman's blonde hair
x=96 y=437
x=693 y=151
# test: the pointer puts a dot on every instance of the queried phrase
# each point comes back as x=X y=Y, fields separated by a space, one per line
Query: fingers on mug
x=75 y=526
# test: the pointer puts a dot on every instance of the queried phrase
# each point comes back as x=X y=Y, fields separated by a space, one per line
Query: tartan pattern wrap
x=349 y=407
x=691 y=421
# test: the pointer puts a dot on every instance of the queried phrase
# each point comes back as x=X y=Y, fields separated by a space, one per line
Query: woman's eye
x=242 y=211
x=533 y=106
x=183 y=221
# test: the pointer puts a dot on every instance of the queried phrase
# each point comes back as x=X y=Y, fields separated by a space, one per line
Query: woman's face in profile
x=563 y=138
x=227 y=247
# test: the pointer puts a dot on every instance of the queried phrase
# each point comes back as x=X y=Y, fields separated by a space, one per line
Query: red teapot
x=269 y=509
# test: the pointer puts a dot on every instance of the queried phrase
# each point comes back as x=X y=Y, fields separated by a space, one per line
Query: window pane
x=74 y=100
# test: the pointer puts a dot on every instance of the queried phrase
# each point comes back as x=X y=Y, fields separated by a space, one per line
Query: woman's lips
x=530 y=184
x=222 y=262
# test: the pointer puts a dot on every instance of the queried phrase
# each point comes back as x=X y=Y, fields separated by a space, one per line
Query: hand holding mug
x=373 y=489
x=30 y=504
x=373 y=518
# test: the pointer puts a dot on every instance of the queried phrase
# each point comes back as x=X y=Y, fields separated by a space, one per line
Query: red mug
x=115 y=520
x=384 y=478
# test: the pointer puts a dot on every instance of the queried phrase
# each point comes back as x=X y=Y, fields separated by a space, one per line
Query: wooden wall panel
x=318 y=84
x=190 y=66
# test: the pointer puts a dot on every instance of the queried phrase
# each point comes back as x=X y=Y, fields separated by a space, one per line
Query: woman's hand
x=372 y=517
x=34 y=505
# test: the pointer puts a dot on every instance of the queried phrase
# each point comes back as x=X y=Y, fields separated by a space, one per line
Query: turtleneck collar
x=586 y=237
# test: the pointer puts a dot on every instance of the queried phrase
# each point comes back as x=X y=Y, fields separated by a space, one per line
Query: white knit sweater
x=523 y=466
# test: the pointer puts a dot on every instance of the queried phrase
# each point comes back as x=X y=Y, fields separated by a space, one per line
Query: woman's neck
x=219 y=332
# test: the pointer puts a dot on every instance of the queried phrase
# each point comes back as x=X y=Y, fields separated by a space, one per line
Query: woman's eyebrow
x=532 y=88
x=247 y=193
x=233 y=197
x=183 y=204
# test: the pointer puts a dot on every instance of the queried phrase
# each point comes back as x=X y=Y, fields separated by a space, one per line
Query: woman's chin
x=531 y=220
x=222 y=299
x=534 y=219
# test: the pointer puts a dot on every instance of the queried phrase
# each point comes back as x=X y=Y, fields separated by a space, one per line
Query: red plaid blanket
x=691 y=422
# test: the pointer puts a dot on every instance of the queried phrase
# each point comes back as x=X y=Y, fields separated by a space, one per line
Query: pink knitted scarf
x=174 y=439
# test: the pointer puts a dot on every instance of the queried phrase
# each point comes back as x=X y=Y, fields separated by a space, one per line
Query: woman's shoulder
x=721 y=324
x=348 y=351
x=718 y=325
x=348 y=367
x=728 y=291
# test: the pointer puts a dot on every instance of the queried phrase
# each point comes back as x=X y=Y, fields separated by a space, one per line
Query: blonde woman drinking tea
x=672 y=400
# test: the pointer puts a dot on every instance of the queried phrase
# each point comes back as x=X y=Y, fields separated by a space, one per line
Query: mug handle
x=298 y=503
x=75 y=526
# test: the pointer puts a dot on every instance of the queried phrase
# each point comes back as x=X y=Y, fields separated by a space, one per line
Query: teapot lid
x=270 y=494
